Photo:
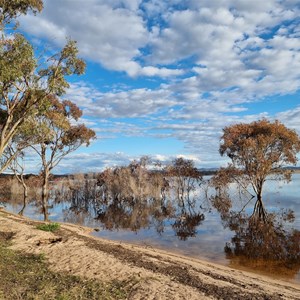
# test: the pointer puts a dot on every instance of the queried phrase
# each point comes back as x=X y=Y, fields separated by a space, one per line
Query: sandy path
x=152 y=274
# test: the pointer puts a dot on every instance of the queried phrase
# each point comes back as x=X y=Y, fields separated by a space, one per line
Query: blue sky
x=164 y=77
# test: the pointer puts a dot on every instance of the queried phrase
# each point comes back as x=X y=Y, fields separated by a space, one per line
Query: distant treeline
x=204 y=172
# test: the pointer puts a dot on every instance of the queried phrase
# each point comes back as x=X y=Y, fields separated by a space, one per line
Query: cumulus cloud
x=111 y=33
x=223 y=41
x=290 y=118
x=121 y=104
x=209 y=61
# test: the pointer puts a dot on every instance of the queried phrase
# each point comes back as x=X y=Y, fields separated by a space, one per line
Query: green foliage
x=62 y=64
x=31 y=111
x=10 y=9
x=17 y=61
x=48 y=227
x=51 y=131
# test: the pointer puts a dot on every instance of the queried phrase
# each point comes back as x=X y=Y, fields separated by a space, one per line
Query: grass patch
x=48 y=227
x=25 y=276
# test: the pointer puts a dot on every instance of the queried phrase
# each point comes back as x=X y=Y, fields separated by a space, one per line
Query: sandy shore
x=153 y=274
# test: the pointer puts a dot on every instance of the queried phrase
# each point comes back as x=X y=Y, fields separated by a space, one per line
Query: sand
x=151 y=273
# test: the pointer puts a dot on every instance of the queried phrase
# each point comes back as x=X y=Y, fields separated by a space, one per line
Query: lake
x=194 y=231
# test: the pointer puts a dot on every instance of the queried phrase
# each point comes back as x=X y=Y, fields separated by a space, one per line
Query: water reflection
x=133 y=213
x=185 y=225
x=268 y=241
x=180 y=220
x=267 y=245
x=266 y=248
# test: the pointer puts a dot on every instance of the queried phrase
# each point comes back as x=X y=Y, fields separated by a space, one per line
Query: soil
x=154 y=274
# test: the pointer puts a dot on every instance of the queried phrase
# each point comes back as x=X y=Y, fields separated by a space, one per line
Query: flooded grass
x=27 y=276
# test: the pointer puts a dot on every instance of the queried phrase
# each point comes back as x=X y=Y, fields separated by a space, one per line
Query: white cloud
x=215 y=58
x=161 y=72
x=216 y=34
x=291 y=118
x=106 y=32
x=110 y=33
x=97 y=161
x=121 y=104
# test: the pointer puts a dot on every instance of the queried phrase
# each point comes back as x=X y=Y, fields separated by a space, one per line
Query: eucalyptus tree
x=54 y=134
x=26 y=84
x=11 y=9
x=258 y=150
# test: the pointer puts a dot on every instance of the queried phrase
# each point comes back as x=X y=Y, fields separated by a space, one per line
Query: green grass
x=25 y=276
x=48 y=227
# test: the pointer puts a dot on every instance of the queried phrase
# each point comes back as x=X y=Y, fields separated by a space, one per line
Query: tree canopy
x=261 y=146
x=11 y=9
x=27 y=85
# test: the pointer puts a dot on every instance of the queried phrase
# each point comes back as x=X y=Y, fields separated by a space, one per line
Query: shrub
x=48 y=227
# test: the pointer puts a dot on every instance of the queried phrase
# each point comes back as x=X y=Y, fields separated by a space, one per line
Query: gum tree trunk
x=45 y=194
x=25 y=196
x=259 y=211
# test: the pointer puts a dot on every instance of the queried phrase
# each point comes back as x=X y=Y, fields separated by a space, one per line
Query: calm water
x=205 y=239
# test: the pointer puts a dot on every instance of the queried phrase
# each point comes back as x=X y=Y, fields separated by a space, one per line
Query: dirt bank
x=153 y=274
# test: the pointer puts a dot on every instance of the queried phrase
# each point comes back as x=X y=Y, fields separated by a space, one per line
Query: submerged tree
x=133 y=182
x=52 y=136
x=257 y=150
x=17 y=166
x=184 y=178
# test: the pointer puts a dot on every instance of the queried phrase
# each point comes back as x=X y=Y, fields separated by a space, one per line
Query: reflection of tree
x=185 y=225
x=256 y=240
x=12 y=190
x=132 y=215
x=268 y=242
x=162 y=210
